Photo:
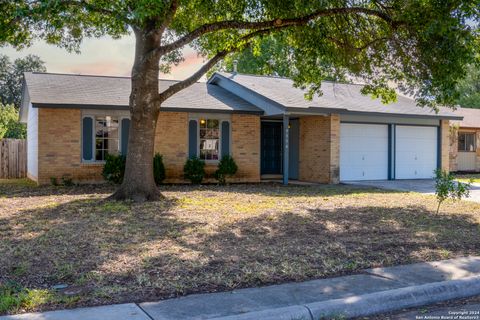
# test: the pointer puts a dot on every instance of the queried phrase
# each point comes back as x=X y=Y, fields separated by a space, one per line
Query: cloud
x=102 y=56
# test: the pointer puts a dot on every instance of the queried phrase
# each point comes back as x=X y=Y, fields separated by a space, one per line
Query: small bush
x=446 y=187
x=158 y=169
x=194 y=170
x=114 y=168
x=53 y=181
x=67 y=182
x=226 y=168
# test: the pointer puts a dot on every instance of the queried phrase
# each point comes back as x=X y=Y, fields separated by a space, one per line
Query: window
x=209 y=139
x=466 y=142
x=106 y=136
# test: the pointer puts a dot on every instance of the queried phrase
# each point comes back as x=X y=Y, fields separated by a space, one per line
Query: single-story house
x=265 y=123
x=464 y=148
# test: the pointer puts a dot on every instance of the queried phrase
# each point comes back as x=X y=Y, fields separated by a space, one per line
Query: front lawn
x=210 y=238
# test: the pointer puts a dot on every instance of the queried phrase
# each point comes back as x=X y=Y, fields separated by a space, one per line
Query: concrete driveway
x=422 y=186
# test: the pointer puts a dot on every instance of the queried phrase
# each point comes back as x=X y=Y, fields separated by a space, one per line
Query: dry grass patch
x=213 y=238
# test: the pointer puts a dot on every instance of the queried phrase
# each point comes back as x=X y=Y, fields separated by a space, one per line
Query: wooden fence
x=13 y=158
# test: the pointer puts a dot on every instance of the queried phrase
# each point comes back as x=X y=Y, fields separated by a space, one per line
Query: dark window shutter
x=87 y=139
x=225 y=138
x=192 y=138
x=124 y=137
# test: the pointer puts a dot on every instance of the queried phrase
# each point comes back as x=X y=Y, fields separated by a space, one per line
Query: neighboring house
x=263 y=122
x=464 y=148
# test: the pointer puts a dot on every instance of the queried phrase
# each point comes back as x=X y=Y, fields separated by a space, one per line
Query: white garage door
x=363 y=152
x=416 y=152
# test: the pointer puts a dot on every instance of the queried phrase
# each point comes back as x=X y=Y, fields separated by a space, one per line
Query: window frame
x=92 y=114
x=465 y=133
x=212 y=116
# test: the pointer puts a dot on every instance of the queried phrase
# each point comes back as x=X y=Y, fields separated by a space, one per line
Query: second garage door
x=415 y=152
x=363 y=152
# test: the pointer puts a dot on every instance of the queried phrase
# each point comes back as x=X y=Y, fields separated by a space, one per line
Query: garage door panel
x=415 y=152
x=363 y=152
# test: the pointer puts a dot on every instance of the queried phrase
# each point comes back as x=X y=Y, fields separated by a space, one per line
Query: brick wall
x=319 y=148
x=59 y=151
x=445 y=152
x=453 y=148
x=246 y=147
x=171 y=141
x=59 y=147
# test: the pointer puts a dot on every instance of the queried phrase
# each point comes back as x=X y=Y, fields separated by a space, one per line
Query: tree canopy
x=469 y=88
x=424 y=46
x=11 y=76
x=10 y=127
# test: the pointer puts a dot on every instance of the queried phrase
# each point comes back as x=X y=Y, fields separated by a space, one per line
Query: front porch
x=298 y=148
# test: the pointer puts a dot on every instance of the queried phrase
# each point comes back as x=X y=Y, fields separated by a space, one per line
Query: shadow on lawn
x=24 y=188
x=128 y=252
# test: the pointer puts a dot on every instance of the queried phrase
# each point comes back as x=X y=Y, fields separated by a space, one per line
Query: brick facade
x=445 y=146
x=59 y=147
x=319 y=148
x=246 y=147
x=171 y=141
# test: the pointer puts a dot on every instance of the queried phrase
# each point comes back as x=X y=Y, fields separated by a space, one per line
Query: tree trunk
x=138 y=183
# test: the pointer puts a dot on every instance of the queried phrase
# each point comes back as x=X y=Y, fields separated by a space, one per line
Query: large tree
x=422 y=45
x=11 y=76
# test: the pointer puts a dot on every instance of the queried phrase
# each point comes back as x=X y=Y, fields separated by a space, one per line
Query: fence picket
x=13 y=158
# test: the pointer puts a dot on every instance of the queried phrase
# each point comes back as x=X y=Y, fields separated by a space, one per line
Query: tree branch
x=272 y=24
x=242 y=44
x=193 y=78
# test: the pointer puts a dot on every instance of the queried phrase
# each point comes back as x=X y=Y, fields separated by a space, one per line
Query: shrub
x=67 y=182
x=194 y=170
x=114 y=168
x=158 y=169
x=54 y=181
x=446 y=187
x=226 y=168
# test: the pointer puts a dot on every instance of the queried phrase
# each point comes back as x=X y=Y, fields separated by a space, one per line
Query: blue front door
x=271 y=148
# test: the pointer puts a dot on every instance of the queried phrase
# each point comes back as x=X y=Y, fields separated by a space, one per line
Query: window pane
x=99 y=155
x=215 y=154
x=203 y=154
x=461 y=142
x=212 y=123
x=203 y=132
x=210 y=144
x=470 y=142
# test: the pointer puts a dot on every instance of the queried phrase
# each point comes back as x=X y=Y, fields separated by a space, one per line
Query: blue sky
x=103 y=56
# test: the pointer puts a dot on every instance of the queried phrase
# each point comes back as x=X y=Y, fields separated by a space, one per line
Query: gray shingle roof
x=335 y=96
x=66 y=89
x=471 y=118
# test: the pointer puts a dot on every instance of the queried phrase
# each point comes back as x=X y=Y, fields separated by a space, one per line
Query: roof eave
x=319 y=110
x=126 y=107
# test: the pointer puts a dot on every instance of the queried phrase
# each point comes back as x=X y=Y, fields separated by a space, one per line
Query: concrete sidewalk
x=372 y=291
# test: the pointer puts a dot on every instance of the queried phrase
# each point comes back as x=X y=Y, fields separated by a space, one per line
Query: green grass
x=14 y=298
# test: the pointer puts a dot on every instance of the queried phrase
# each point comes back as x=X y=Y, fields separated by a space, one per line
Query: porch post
x=286 y=120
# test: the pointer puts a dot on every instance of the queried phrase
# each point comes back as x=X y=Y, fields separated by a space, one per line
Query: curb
x=373 y=303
